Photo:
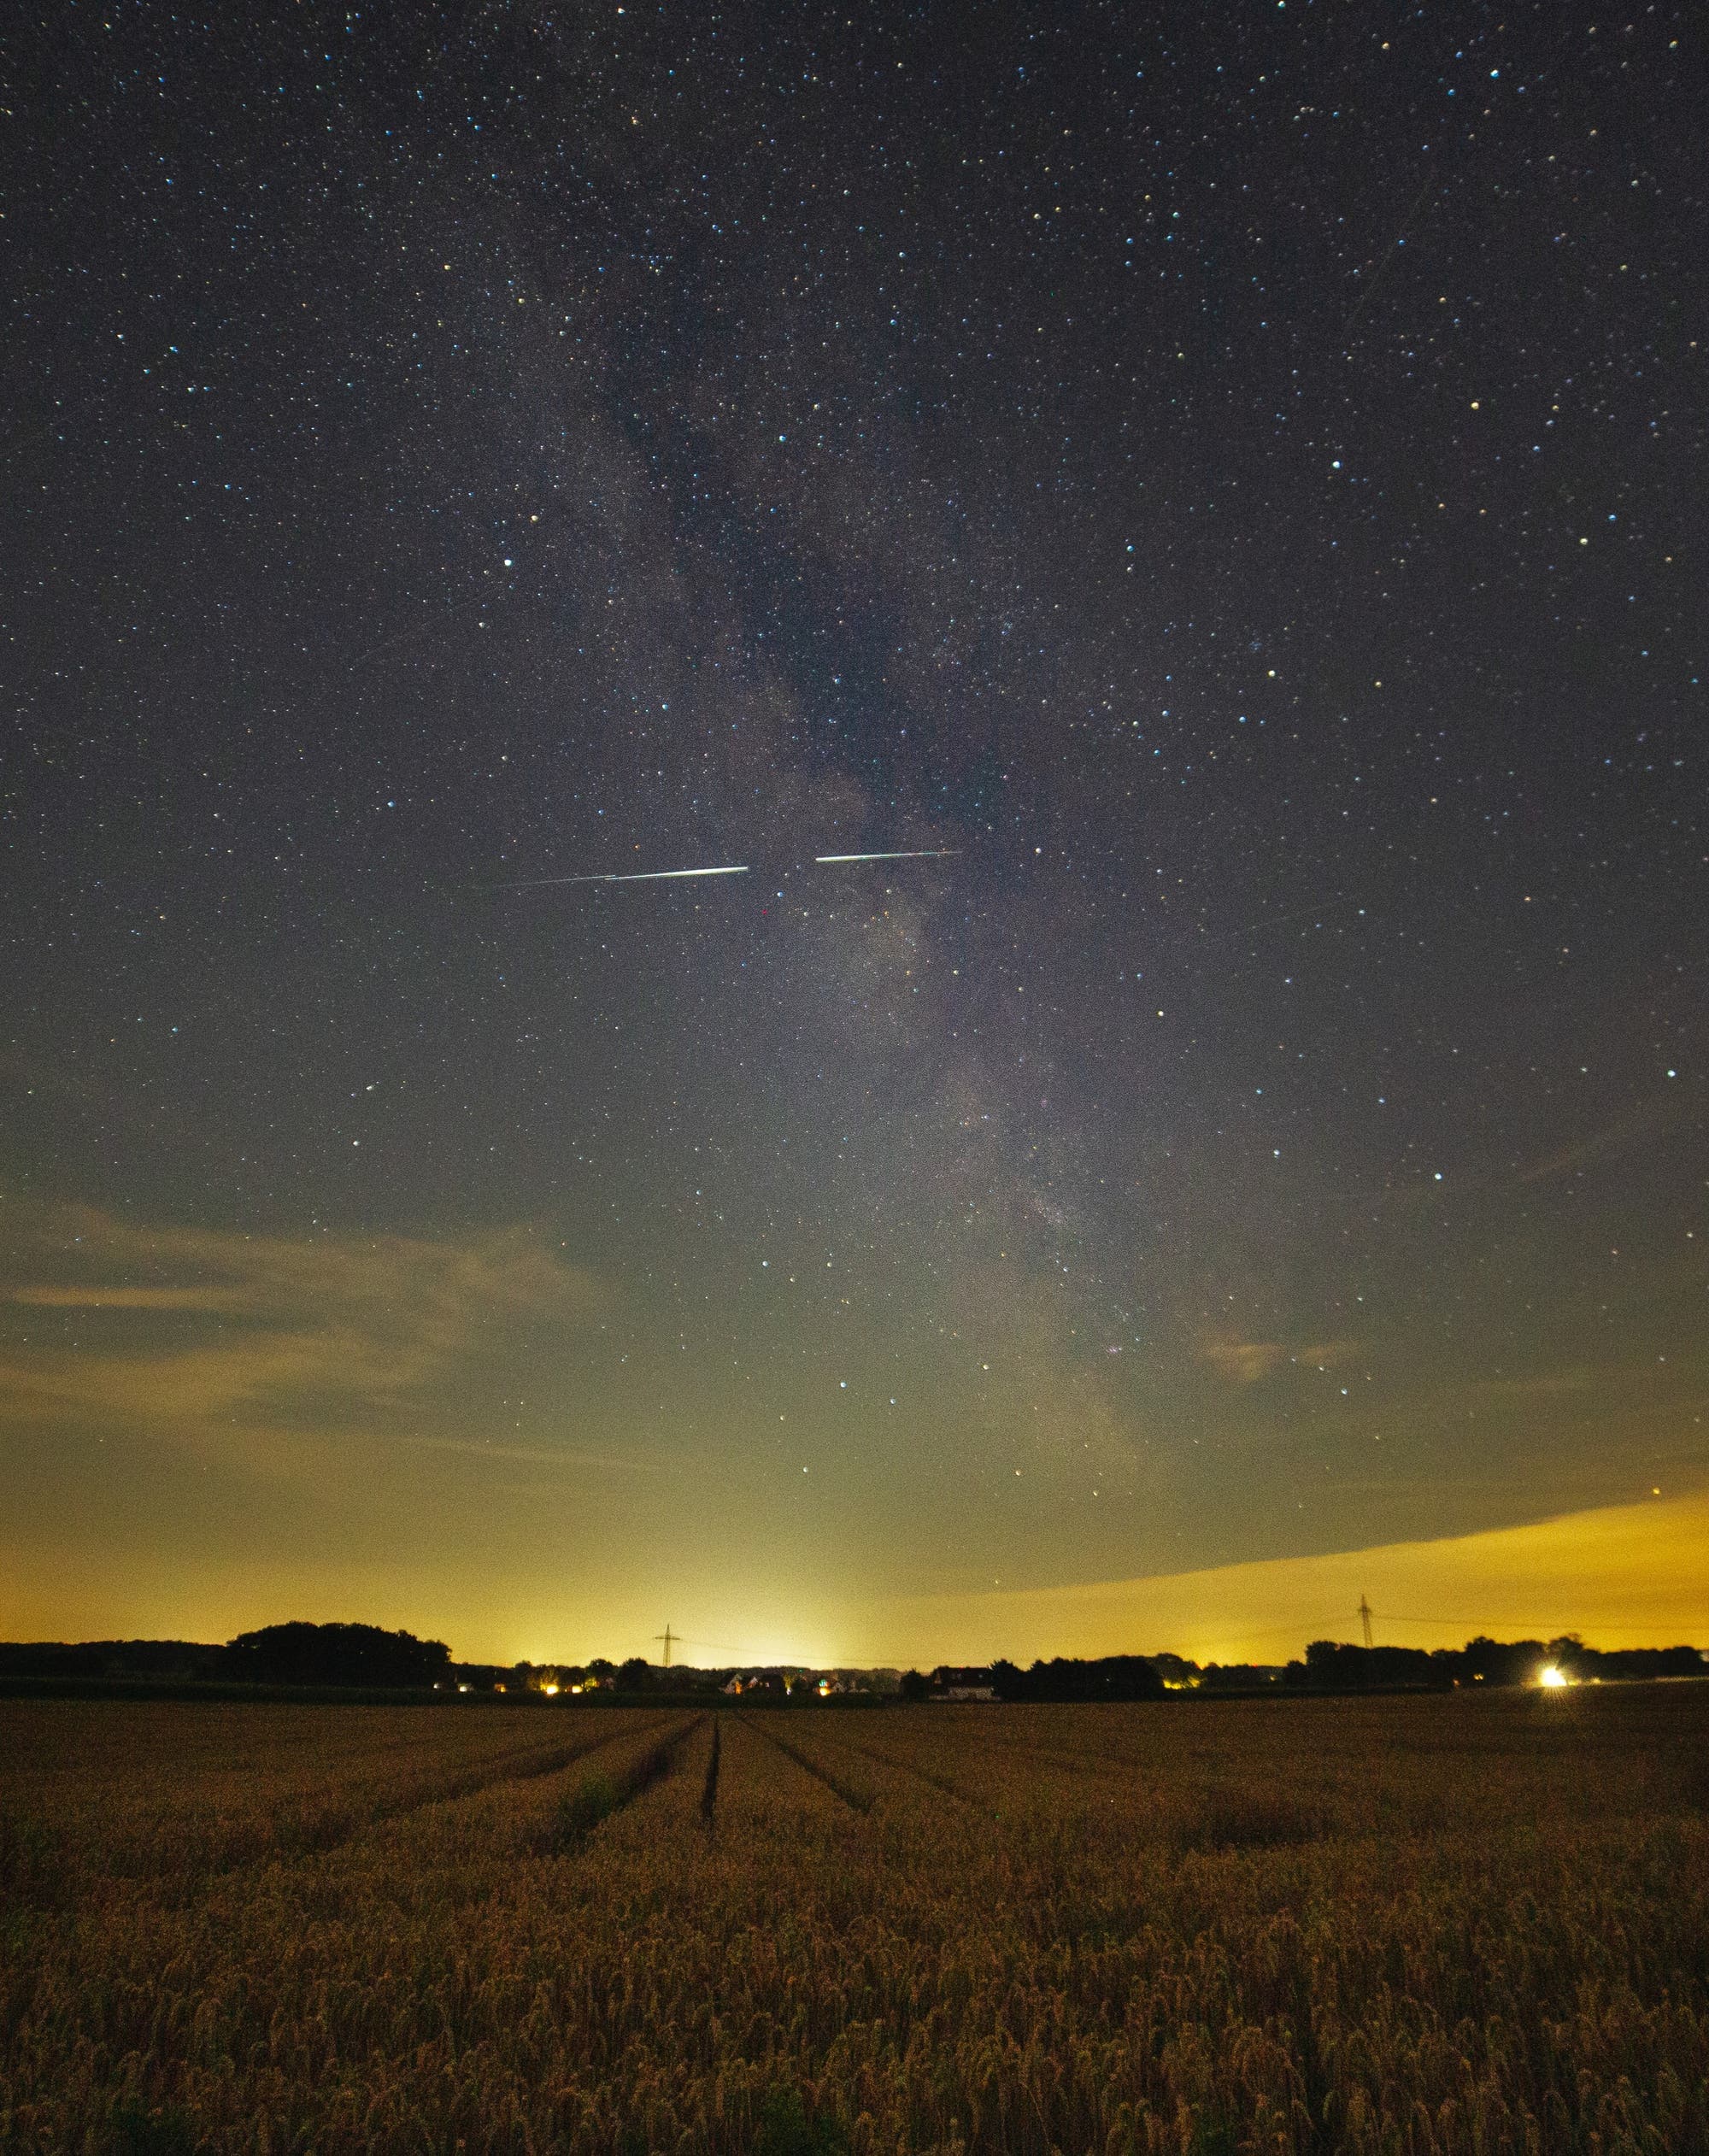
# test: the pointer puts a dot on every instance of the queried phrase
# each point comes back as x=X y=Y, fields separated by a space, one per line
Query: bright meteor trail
x=672 y=875
x=927 y=853
x=635 y=876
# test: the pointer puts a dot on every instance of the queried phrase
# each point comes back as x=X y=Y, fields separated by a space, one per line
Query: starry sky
x=1226 y=487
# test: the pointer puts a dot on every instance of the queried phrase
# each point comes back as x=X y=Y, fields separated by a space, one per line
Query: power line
x=1476 y=1625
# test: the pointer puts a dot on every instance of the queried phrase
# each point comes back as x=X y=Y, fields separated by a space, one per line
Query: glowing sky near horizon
x=1168 y=552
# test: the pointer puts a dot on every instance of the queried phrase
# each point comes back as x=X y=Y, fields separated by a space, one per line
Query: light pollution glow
x=433 y=1432
x=1623 y=1575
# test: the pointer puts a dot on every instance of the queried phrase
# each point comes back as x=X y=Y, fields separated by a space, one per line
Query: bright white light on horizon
x=1551 y=1679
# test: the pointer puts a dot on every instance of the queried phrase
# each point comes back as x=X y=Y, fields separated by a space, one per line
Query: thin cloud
x=559 y=1456
x=1328 y=1354
x=1246 y=1362
x=1554 y=1386
x=1625 y=1574
x=1243 y=1362
x=1654 y=1120
x=91 y=1298
x=214 y=1338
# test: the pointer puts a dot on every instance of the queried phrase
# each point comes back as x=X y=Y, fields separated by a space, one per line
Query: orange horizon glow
x=1621 y=1576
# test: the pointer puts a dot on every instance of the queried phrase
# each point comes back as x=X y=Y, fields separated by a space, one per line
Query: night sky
x=1229 y=483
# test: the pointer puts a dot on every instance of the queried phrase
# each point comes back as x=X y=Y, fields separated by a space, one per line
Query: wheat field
x=1462 y=1923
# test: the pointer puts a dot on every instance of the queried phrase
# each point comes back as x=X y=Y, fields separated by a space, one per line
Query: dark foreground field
x=1461 y=1923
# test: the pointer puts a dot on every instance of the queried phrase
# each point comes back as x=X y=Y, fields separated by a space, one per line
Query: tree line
x=342 y=1655
x=367 y=1657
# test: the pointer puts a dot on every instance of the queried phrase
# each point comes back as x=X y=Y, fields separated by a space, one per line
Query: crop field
x=1461 y=1923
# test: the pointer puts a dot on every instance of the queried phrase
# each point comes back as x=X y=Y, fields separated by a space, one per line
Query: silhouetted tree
x=300 y=1653
x=1111 y=1677
x=1331 y=1667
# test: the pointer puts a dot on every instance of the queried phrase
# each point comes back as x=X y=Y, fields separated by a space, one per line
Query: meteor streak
x=635 y=876
x=925 y=853
x=736 y=868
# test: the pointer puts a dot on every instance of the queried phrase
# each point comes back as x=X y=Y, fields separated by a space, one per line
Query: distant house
x=766 y=1683
x=954 y=1682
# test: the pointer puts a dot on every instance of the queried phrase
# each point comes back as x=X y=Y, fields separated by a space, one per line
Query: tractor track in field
x=1092 y=1766
x=593 y=1801
x=337 y=1824
x=532 y=1763
x=943 y=1786
x=858 y=1800
x=709 y=1795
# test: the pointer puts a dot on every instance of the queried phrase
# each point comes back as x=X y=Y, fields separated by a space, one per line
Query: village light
x=1551 y=1678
